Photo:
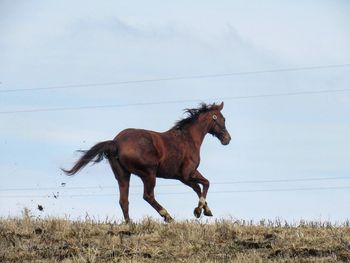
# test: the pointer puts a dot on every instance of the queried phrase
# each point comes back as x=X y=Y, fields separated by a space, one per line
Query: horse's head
x=217 y=126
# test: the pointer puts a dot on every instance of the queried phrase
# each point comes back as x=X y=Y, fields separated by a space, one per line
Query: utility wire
x=171 y=185
x=285 y=94
x=191 y=192
x=204 y=76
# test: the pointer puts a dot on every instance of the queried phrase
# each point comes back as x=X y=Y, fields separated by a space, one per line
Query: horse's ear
x=221 y=106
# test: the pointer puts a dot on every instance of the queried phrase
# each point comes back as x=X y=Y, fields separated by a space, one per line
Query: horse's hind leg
x=149 y=183
x=123 y=178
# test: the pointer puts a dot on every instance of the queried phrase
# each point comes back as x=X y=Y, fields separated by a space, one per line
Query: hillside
x=29 y=239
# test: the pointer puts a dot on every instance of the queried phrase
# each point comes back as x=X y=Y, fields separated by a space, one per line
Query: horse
x=173 y=154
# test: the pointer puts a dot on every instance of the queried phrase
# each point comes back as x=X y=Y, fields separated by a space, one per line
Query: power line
x=310 y=92
x=191 y=192
x=204 y=76
x=171 y=185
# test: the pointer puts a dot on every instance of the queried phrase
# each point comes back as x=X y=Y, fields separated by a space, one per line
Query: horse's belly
x=175 y=169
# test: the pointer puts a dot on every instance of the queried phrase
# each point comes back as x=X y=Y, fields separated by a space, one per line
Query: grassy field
x=29 y=239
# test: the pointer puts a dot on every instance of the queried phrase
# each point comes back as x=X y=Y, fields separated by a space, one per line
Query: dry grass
x=29 y=239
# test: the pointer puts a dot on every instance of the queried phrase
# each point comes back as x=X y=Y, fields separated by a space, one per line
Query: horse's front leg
x=202 y=204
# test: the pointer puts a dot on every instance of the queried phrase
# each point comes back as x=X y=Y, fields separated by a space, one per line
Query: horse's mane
x=192 y=114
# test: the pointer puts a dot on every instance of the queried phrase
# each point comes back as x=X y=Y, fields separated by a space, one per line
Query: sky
x=289 y=154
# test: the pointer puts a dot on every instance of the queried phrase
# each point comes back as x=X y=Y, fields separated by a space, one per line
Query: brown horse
x=173 y=154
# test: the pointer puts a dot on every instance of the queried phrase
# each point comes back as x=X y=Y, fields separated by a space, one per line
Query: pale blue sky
x=51 y=43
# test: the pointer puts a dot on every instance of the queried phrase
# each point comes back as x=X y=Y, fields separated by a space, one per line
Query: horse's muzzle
x=225 y=139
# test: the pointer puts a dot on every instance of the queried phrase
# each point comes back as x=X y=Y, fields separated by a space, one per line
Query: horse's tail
x=95 y=154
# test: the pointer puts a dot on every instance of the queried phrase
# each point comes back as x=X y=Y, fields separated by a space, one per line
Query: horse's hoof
x=197 y=212
x=207 y=213
x=168 y=219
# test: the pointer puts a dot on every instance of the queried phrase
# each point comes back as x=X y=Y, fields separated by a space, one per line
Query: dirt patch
x=251 y=244
x=302 y=253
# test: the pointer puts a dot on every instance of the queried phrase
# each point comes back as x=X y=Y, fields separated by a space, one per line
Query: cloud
x=120 y=28
x=49 y=132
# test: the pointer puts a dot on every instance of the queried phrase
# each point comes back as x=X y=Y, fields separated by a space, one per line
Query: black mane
x=193 y=114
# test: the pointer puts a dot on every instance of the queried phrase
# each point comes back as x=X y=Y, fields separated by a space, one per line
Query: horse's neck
x=197 y=131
